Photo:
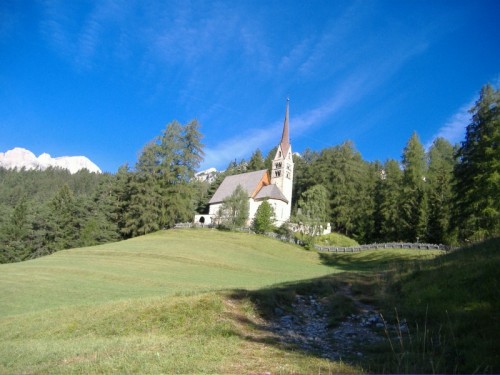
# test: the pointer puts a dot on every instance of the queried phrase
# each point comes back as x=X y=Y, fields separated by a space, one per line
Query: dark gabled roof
x=271 y=192
x=249 y=182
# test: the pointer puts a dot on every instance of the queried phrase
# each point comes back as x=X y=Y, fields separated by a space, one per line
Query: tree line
x=447 y=194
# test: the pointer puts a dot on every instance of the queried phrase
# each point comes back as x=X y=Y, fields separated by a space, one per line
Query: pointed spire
x=285 y=137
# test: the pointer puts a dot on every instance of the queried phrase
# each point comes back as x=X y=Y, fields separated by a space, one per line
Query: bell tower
x=282 y=170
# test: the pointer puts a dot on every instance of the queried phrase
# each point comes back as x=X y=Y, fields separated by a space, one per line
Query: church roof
x=271 y=192
x=250 y=182
x=285 y=137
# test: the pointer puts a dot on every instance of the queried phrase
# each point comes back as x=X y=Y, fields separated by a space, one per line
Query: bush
x=335 y=239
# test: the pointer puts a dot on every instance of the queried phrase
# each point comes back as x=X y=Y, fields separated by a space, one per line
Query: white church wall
x=281 y=211
x=214 y=208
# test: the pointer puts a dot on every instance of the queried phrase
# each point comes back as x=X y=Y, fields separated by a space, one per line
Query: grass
x=452 y=305
x=194 y=301
x=156 y=304
x=166 y=263
x=454 y=302
x=335 y=239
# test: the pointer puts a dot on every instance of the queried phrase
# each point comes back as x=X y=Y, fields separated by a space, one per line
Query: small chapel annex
x=275 y=188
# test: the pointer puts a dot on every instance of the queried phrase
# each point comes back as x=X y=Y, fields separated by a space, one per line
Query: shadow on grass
x=276 y=302
x=376 y=260
x=451 y=304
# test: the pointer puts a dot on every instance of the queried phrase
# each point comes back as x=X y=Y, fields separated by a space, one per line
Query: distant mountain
x=209 y=175
x=19 y=158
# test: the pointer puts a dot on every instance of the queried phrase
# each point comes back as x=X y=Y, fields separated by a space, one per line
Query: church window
x=277 y=173
x=278 y=165
x=279 y=154
x=288 y=175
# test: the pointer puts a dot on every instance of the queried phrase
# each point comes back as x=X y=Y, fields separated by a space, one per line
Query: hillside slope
x=161 y=264
x=155 y=304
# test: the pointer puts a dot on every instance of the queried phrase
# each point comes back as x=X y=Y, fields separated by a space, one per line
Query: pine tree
x=303 y=174
x=121 y=194
x=144 y=207
x=99 y=222
x=14 y=234
x=162 y=193
x=256 y=162
x=477 y=172
x=268 y=162
x=387 y=196
x=439 y=181
x=413 y=218
x=313 y=209
x=343 y=172
x=64 y=220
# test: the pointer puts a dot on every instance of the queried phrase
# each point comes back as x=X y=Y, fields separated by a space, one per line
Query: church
x=260 y=186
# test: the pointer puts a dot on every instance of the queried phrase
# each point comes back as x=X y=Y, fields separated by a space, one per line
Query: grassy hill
x=148 y=305
x=167 y=263
x=193 y=301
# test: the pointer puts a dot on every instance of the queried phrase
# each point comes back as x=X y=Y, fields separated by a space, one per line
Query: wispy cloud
x=362 y=81
x=239 y=147
x=80 y=36
x=454 y=128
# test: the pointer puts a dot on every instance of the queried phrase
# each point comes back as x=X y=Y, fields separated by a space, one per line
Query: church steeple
x=282 y=169
x=285 y=137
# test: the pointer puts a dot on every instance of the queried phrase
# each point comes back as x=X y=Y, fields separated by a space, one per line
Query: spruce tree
x=413 y=203
x=477 y=172
x=343 y=172
x=256 y=162
x=387 y=200
x=439 y=180
x=14 y=233
x=64 y=220
x=313 y=209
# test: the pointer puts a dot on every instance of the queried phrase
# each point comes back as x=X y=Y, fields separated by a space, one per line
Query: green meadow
x=157 y=303
x=194 y=301
x=167 y=263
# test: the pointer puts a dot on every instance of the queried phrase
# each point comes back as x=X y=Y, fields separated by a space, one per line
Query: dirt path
x=306 y=326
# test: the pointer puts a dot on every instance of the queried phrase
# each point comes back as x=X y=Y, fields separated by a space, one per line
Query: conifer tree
x=413 y=219
x=64 y=219
x=477 y=172
x=303 y=174
x=268 y=162
x=439 y=180
x=387 y=196
x=256 y=162
x=162 y=192
x=342 y=171
x=14 y=233
x=313 y=209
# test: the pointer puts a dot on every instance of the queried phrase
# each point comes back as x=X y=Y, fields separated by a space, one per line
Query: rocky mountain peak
x=19 y=158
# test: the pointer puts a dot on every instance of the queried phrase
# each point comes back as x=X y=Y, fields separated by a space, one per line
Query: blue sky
x=103 y=78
